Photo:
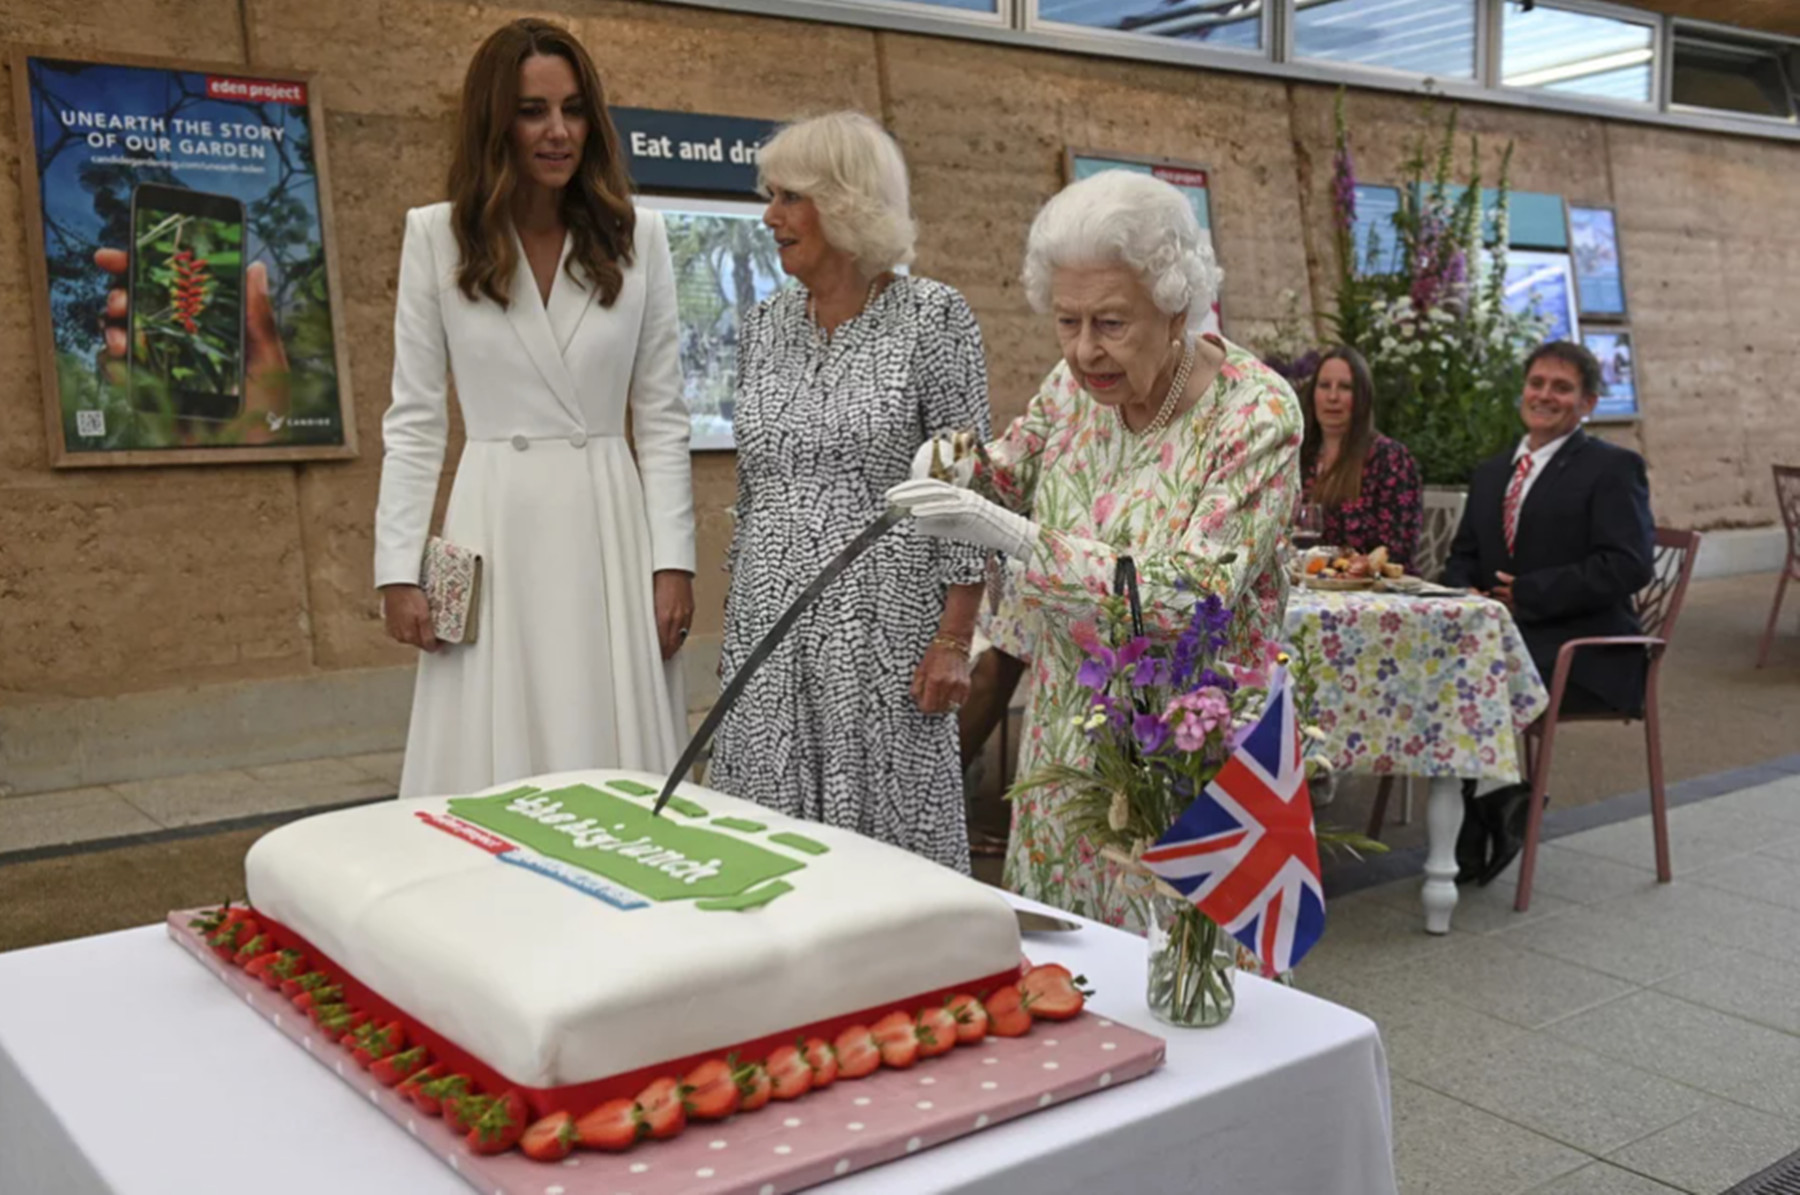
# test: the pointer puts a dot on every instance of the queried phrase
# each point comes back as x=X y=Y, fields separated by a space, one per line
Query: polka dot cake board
x=785 y=1146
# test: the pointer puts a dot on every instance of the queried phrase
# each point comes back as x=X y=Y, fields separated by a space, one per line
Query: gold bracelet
x=950 y=641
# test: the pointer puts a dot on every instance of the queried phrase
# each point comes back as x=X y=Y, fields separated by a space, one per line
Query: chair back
x=1443 y=514
x=1672 y=566
x=1787 y=498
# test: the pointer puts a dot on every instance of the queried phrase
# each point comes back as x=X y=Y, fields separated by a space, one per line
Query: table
x=1426 y=686
x=126 y=1067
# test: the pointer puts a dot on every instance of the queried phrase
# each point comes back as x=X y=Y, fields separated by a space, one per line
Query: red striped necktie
x=1509 y=515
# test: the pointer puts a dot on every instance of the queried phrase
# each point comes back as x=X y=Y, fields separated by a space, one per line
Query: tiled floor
x=1621 y=1038
x=149 y=806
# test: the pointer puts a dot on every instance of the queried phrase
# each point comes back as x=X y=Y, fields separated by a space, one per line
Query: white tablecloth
x=125 y=1067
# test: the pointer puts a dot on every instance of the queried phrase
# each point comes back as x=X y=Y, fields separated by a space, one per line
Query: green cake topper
x=626 y=843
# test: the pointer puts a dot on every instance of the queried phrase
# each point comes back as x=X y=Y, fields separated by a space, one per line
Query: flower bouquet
x=1163 y=720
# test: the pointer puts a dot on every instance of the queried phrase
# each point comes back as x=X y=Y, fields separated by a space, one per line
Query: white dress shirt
x=1540 y=460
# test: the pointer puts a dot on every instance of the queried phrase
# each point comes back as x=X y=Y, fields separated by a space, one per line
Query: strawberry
x=325 y=993
x=1052 y=994
x=660 y=1108
x=231 y=935
x=258 y=967
x=549 y=1139
x=754 y=1086
x=305 y=982
x=430 y=1095
x=372 y=1042
x=858 y=1053
x=256 y=947
x=971 y=1019
x=823 y=1060
x=710 y=1092
x=409 y=1086
x=1007 y=1014
x=898 y=1036
x=397 y=1066
x=461 y=1112
x=789 y=1075
x=208 y=922
x=287 y=965
x=937 y=1032
x=500 y=1125
x=614 y=1125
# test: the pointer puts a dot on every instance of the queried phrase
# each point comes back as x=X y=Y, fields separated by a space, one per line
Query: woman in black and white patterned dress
x=851 y=721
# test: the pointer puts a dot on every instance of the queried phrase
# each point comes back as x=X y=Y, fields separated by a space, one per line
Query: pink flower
x=1193 y=716
x=1103 y=508
x=1168 y=456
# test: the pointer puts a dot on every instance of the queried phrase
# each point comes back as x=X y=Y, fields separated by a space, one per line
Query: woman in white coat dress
x=551 y=301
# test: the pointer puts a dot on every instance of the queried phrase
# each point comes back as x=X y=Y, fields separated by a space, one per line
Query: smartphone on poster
x=186 y=303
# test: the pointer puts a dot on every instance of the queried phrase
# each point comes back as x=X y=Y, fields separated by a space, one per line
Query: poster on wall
x=178 y=222
x=1618 y=374
x=1186 y=177
x=1543 y=284
x=1599 y=276
x=725 y=264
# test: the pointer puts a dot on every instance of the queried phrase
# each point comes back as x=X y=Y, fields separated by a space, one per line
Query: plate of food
x=1351 y=570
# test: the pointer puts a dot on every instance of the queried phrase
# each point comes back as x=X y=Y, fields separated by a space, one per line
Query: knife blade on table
x=1042 y=923
x=894 y=516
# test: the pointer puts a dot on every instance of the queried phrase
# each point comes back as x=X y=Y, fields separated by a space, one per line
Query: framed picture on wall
x=1618 y=374
x=725 y=264
x=181 y=263
x=1190 y=178
x=1599 y=274
x=1544 y=283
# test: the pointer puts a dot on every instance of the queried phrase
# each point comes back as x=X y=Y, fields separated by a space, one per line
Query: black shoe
x=1506 y=812
x=1471 y=840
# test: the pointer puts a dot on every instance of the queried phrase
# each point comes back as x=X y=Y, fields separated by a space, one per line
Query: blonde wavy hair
x=854 y=173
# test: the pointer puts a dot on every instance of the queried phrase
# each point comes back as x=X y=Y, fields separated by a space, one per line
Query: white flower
x=1388 y=344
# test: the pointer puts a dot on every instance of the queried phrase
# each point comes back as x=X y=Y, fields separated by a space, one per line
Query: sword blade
x=831 y=572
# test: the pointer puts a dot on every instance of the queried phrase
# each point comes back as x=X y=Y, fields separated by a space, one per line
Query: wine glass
x=1309 y=526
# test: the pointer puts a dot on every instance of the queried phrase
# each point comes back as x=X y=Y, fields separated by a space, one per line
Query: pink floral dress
x=1224 y=478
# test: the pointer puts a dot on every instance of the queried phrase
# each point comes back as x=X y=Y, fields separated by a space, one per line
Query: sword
x=842 y=561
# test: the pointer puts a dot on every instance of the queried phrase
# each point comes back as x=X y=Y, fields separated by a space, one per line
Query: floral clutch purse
x=451 y=579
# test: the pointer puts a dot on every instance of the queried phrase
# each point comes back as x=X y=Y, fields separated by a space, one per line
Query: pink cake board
x=785 y=1146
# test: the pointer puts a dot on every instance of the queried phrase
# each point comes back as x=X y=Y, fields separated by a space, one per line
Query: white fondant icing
x=551 y=986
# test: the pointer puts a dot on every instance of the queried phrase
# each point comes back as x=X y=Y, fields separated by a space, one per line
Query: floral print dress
x=1390 y=510
x=1222 y=479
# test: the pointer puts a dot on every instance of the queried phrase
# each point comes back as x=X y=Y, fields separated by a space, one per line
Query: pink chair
x=1787 y=497
x=1658 y=606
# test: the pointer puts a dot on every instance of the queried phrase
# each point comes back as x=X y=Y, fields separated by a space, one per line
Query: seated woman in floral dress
x=1149 y=440
x=1367 y=483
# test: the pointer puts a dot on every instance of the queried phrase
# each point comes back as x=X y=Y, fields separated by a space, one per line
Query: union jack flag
x=1244 y=852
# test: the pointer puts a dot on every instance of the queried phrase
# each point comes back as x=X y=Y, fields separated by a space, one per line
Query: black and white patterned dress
x=827 y=728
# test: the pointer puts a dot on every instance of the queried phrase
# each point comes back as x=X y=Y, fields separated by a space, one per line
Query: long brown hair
x=596 y=205
x=1343 y=481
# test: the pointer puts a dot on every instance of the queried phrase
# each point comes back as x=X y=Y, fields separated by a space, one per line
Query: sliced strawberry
x=305 y=982
x=710 y=1092
x=823 y=1060
x=789 y=1075
x=287 y=965
x=237 y=913
x=549 y=1139
x=754 y=1087
x=1050 y=993
x=500 y=1124
x=1007 y=1014
x=254 y=948
x=937 y=1032
x=971 y=1019
x=614 y=1125
x=395 y=1067
x=659 y=1105
x=463 y=1112
x=258 y=967
x=898 y=1035
x=858 y=1053
x=409 y=1086
x=430 y=1095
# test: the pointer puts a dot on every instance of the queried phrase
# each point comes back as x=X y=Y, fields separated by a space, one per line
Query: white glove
x=942 y=511
x=942 y=449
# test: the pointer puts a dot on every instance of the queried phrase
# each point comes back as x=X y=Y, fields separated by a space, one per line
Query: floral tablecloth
x=1419 y=686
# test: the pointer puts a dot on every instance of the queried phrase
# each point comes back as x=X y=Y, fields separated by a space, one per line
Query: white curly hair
x=854 y=173
x=1123 y=217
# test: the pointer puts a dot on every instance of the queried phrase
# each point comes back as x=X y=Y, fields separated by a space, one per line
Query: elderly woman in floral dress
x=1179 y=450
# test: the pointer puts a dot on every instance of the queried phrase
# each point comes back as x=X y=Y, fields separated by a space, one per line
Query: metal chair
x=1658 y=606
x=1787 y=497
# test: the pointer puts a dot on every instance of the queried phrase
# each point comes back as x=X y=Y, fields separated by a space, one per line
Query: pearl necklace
x=820 y=335
x=1177 y=386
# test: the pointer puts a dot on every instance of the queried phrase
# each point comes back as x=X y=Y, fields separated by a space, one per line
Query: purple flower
x=1150 y=672
x=1150 y=731
x=1215 y=680
x=1093 y=674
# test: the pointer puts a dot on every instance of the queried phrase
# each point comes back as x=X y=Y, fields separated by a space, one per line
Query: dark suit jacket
x=1585 y=542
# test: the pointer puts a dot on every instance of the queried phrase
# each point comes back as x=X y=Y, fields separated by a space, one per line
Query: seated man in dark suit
x=1559 y=530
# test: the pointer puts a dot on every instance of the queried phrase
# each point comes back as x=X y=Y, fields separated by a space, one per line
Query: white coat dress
x=565 y=671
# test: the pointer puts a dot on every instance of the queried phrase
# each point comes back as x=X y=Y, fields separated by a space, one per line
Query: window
x=1426 y=37
x=1577 y=52
x=965 y=5
x=1223 y=24
x=1733 y=74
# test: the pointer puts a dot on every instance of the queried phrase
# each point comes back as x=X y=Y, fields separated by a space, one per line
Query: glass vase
x=1192 y=965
